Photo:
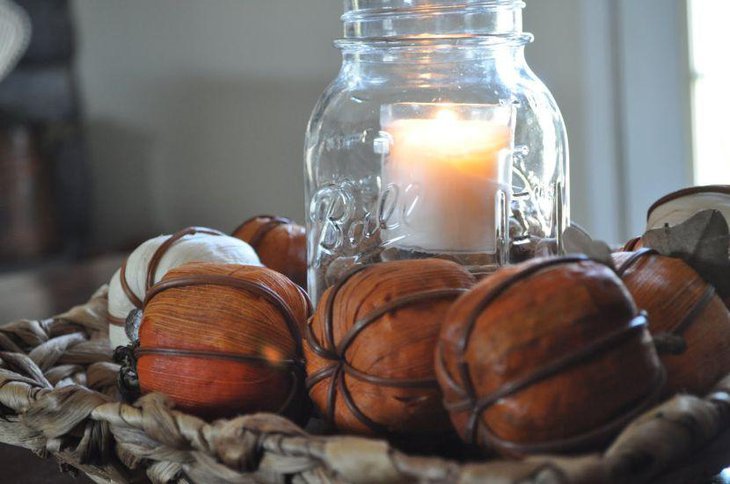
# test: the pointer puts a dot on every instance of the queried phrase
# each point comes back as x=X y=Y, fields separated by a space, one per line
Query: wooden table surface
x=40 y=293
x=36 y=294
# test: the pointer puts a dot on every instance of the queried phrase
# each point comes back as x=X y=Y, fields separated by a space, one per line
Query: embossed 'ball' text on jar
x=435 y=140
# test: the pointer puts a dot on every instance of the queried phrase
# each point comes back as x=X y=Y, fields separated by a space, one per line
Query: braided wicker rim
x=58 y=398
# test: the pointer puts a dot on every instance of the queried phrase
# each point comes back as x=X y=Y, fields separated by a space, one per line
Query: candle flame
x=473 y=146
x=446 y=114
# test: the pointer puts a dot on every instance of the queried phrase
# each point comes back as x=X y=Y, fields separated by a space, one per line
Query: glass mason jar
x=435 y=140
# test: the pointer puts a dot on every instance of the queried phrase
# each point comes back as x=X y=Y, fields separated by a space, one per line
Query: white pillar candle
x=449 y=164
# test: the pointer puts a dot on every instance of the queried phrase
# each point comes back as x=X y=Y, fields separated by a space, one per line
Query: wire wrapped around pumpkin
x=369 y=348
x=547 y=356
x=222 y=340
x=679 y=302
x=280 y=243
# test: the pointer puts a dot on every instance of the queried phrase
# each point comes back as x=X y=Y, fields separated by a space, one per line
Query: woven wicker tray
x=58 y=398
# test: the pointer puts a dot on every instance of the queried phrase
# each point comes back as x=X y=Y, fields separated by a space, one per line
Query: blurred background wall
x=194 y=111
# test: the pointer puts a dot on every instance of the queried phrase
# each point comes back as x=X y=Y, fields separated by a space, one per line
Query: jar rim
x=390 y=23
x=353 y=9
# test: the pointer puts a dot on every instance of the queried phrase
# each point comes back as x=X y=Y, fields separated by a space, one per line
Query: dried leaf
x=702 y=242
x=704 y=236
x=577 y=241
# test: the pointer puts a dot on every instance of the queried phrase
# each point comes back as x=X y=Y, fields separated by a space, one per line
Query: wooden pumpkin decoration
x=154 y=258
x=679 y=206
x=222 y=340
x=370 y=344
x=633 y=245
x=702 y=240
x=679 y=302
x=280 y=243
x=546 y=356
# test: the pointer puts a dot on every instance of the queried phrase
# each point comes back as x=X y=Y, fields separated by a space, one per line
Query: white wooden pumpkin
x=155 y=257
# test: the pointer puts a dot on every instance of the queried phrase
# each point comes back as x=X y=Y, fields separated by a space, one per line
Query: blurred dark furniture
x=27 y=213
x=41 y=97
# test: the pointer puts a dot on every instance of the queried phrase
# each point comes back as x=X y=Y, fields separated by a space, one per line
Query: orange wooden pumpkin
x=222 y=340
x=280 y=243
x=634 y=244
x=680 y=302
x=370 y=345
x=547 y=356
